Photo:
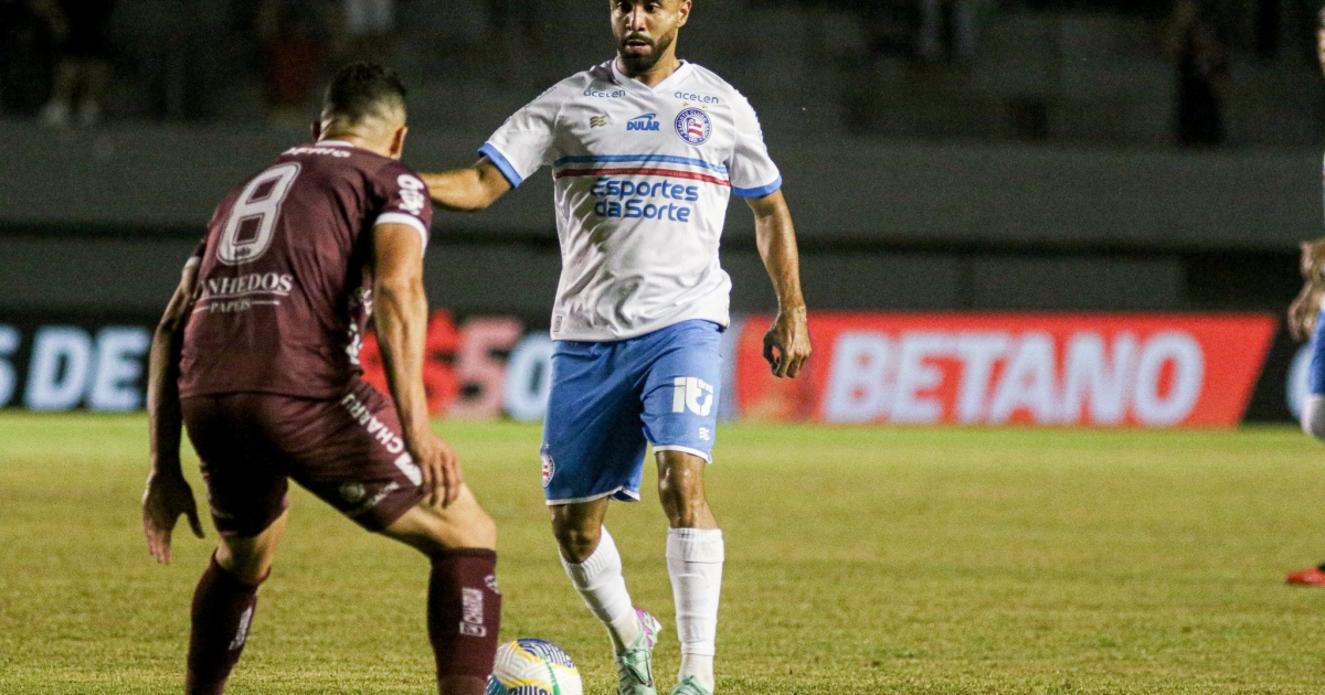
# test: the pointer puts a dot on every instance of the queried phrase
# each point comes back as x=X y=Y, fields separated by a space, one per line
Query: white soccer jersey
x=642 y=178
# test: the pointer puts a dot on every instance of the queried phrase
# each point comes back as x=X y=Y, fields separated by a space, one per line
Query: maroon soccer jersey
x=285 y=279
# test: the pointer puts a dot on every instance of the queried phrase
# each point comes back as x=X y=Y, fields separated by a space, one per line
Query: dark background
x=938 y=154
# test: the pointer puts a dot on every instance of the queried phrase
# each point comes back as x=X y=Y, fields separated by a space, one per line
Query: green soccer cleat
x=690 y=686
x=635 y=667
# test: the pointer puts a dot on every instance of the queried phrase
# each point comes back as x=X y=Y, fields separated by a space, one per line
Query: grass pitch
x=859 y=561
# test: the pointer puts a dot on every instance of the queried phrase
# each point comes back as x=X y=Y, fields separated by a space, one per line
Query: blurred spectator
x=1200 y=53
x=514 y=17
x=296 y=38
x=946 y=29
x=369 y=28
x=27 y=56
x=888 y=26
x=82 y=67
x=515 y=29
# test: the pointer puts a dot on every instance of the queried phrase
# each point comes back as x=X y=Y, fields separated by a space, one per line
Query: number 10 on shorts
x=693 y=394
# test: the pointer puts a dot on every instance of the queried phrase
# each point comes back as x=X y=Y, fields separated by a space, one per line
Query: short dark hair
x=360 y=90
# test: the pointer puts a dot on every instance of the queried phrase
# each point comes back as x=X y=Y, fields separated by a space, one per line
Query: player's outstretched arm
x=787 y=342
x=400 y=312
x=168 y=495
x=1304 y=310
x=468 y=189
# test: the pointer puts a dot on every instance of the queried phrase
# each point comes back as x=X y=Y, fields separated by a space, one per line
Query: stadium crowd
x=70 y=63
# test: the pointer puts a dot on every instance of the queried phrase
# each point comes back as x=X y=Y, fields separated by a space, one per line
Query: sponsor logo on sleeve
x=412 y=195
x=694 y=126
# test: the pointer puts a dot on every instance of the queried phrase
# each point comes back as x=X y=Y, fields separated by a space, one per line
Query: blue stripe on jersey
x=670 y=159
x=503 y=165
x=757 y=192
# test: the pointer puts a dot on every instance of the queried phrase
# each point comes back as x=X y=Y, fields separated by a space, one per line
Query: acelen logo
x=1105 y=370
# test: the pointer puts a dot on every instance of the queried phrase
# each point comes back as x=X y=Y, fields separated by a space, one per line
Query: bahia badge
x=549 y=466
x=694 y=126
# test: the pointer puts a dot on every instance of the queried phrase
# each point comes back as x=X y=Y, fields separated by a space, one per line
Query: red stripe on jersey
x=644 y=171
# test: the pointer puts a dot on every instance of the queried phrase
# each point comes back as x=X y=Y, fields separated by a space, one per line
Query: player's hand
x=787 y=343
x=440 y=467
x=167 y=496
x=1303 y=311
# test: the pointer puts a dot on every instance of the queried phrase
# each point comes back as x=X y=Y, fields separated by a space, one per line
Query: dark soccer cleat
x=1311 y=576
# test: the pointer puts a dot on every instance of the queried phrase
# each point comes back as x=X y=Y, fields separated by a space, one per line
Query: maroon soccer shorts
x=348 y=452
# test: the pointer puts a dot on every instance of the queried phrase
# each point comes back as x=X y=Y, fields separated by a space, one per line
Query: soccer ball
x=533 y=667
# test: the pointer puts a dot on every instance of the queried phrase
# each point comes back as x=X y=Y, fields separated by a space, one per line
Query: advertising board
x=1143 y=370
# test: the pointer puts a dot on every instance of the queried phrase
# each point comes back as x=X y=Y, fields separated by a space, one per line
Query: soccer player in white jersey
x=646 y=150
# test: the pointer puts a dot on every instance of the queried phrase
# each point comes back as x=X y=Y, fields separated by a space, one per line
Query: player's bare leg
x=695 y=555
x=250 y=558
x=224 y=603
x=464 y=606
x=578 y=528
x=590 y=557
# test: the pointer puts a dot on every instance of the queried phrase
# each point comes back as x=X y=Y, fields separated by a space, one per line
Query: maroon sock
x=223 y=606
x=464 y=614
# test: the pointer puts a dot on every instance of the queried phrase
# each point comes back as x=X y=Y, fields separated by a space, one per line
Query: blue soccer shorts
x=1316 y=374
x=609 y=400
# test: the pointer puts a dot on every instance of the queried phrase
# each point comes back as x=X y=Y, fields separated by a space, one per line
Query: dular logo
x=597 y=121
x=647 y=123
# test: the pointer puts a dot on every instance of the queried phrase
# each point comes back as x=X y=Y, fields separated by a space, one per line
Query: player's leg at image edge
x=1313 y=424
x=224 y=604
x=463 y=605
x=600 y=581
x=695 y=556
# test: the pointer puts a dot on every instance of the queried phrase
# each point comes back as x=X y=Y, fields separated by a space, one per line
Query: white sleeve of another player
x=523 y=144
x=753 y=173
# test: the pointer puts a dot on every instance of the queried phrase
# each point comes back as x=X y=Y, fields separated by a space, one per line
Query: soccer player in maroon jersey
x=257 y=355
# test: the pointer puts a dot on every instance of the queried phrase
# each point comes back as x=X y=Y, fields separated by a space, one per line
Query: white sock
x=600 y=582
x=694 y=562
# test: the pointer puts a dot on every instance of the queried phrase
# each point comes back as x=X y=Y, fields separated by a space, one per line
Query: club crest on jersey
x=694 y=126
x=647 y=123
